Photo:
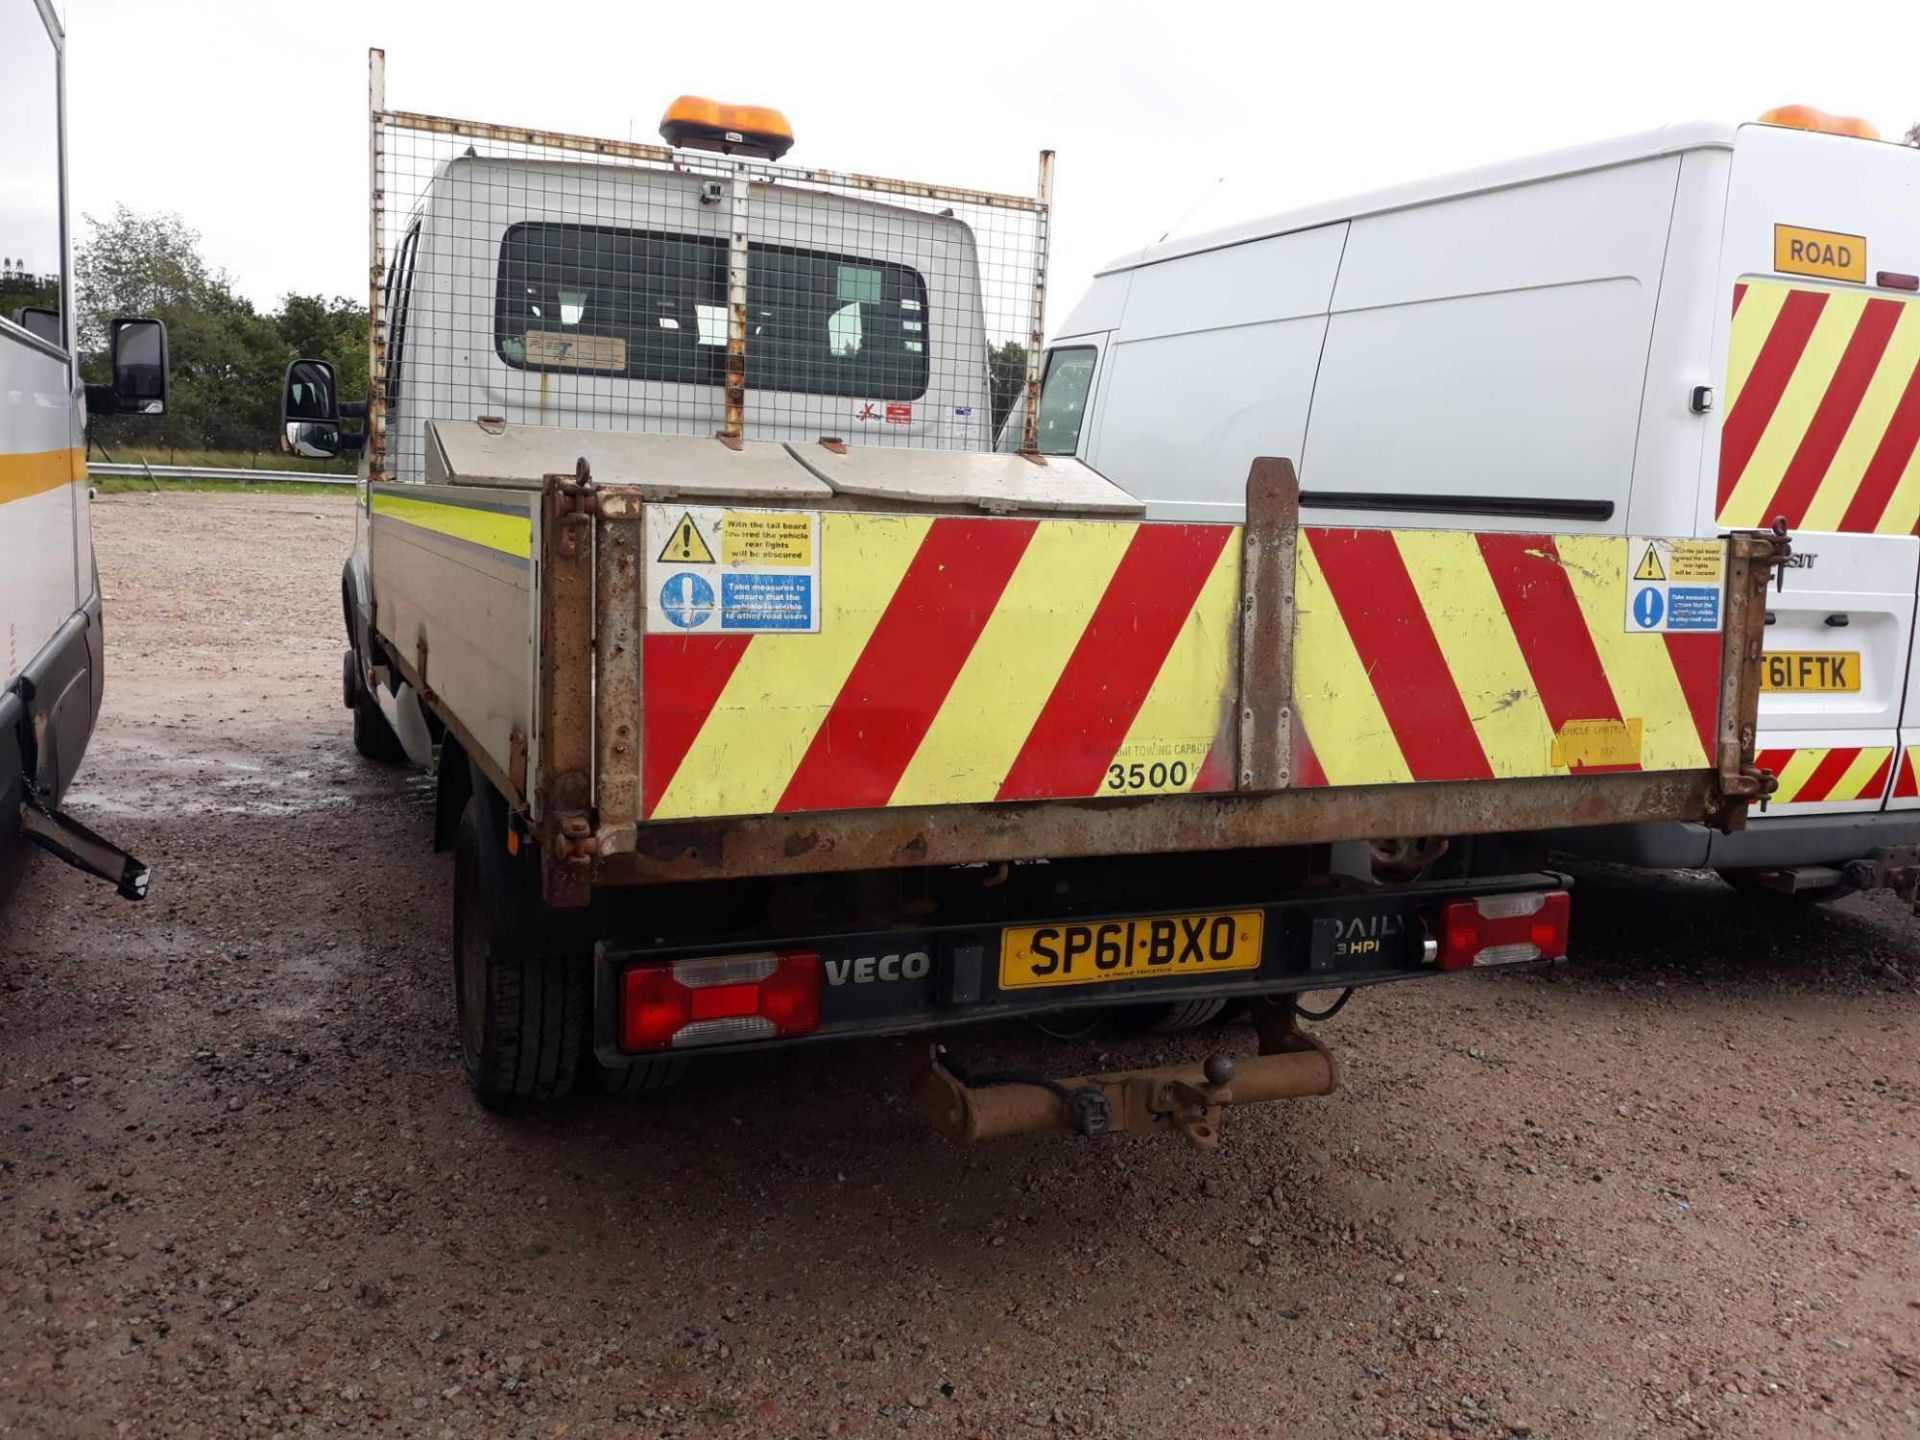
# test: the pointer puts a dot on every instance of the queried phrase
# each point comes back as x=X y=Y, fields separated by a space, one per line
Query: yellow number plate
x=1802 y=670
x=1160 y=947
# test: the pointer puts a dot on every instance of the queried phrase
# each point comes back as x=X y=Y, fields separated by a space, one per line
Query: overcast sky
x=248 y=118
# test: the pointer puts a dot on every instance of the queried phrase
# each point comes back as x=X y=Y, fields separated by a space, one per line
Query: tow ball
x=1186 y=1100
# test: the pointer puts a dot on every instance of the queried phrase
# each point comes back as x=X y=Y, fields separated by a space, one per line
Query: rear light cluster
x=719 y=1001
x=1504 y=929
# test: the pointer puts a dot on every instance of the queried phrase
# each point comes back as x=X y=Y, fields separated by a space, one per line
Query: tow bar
x=1182 y=1099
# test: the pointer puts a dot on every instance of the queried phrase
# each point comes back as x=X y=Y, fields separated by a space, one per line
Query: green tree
x=226 y=358
x=134 y=264
x=334 y=330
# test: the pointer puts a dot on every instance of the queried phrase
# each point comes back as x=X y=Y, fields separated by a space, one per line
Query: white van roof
x=1667 y=140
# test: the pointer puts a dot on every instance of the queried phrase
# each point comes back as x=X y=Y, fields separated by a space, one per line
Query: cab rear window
x=1063 y=399
x=650 y=305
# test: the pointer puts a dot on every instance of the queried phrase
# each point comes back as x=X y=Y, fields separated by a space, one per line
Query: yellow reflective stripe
x=1868 y=426
x=1638 y=667
x=1752 y=323
x=38 y=471
x=783 y=687
x=1014 y=665
x=508 y=533
x=1788 y=425
x=1483 y=654
x=1191 y=702
x=1795 y=774
x=1338 y=707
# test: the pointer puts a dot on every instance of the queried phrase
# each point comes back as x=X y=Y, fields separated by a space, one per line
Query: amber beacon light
x=1805 y=117
x=695 y=123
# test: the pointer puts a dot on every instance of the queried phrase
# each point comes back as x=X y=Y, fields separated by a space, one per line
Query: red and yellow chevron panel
x=1810 y=776
x=1906 y=785
x=1442 y=655
x=959 y=661
x=968 y=660
x=1822 y=410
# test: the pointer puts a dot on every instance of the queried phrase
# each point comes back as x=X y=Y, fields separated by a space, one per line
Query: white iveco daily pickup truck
x=767 y=707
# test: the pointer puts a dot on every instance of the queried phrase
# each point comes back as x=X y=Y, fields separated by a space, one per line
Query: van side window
x=1063 y=399
x=399 y=301
x=31 y=253
x=645 y=305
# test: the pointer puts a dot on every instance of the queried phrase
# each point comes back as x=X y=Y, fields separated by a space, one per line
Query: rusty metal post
x=736 y=391
x=1752 y=559
x=376 y=269
x=1037 y=315
x=1268 y=544
x=619 y=620
x=564 y=778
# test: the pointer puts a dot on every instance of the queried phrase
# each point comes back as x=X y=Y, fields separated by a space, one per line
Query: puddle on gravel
x=133 y=778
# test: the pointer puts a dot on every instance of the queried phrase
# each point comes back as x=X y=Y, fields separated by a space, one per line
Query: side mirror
x=41 y=324
x=139 y=356
x=310 y=411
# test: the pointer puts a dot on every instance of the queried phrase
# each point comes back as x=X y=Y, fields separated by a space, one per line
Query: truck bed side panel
x=455 y=602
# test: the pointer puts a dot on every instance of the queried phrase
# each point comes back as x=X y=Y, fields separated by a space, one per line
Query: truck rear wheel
x=373 y=737
x=520 y=984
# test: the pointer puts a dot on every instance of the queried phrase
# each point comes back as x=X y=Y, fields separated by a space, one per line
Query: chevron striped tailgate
x=1823 y=410
x=970 y=660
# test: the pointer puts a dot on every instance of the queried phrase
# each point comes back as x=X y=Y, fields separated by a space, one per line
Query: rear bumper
x=47 y=714
x=1800 y=840
x=936 y=977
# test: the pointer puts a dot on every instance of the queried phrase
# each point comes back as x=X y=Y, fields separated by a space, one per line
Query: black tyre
x=640 y=1077
x=373 y=737
x=520 y=981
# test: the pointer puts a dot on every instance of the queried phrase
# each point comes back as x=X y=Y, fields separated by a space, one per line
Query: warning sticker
x=767 y=537
x=721 y=569
x=686 y=545
x=1584 y=743
x=1674 y=585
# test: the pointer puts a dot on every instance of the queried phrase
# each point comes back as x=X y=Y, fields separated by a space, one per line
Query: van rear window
x=648 y=305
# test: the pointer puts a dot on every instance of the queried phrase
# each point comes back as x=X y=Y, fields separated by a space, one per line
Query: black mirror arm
x=102 y=401
x=353 y=409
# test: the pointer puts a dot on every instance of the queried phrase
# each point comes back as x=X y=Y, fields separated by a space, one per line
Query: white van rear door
x=1820 y=404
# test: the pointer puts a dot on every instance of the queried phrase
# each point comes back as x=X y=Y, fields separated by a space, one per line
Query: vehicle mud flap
x=62 y=835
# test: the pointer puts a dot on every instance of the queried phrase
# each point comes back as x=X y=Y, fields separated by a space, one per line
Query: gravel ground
x=1668 y=1189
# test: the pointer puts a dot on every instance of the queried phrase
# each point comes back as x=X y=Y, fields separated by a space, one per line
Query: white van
x=1704 y=327
x=549 y=292
x=49 y=594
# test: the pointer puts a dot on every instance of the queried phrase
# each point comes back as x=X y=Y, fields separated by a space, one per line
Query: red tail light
x=1504 y=929
x=719 y=1001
